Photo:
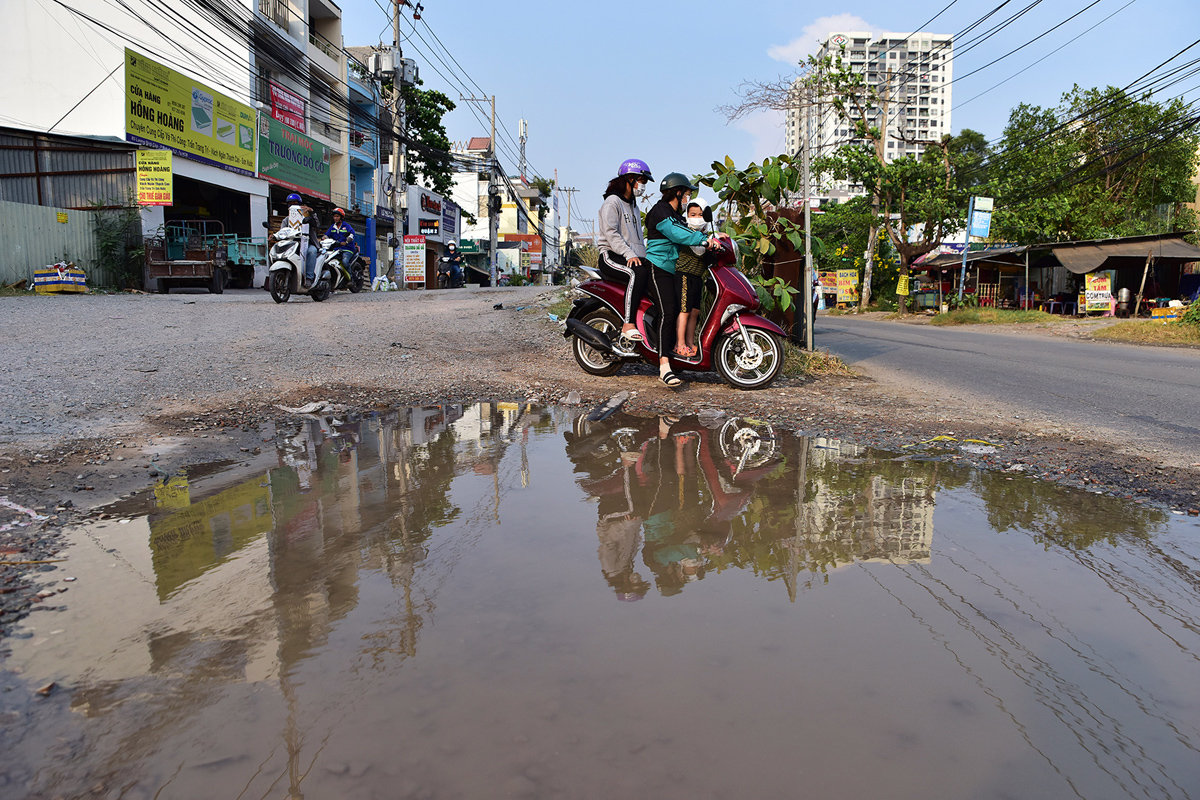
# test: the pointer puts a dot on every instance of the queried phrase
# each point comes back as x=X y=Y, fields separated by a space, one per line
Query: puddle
x=500 y=600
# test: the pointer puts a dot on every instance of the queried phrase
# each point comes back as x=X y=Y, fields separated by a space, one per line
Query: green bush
x=1191 y=316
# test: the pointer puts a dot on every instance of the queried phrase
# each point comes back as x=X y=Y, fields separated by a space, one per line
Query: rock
x=47 y=689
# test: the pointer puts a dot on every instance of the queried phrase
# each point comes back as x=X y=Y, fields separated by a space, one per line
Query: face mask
x=695 y=223
x=639 y=190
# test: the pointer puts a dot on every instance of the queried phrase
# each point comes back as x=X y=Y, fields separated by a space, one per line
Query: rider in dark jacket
x=341 y=232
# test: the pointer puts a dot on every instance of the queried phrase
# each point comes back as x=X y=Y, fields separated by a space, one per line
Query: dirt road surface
x=102 y=394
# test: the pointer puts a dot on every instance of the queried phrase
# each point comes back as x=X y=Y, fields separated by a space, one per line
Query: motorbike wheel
x=281 y=286
x=321 y=291
x=752 y=368
x=591 y=360
x=747 y=444
x=356 y=281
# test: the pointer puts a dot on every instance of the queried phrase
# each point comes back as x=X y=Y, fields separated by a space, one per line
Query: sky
x=599 y=83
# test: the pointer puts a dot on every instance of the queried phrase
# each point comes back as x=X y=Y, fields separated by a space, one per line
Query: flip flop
x=671 y=380
x=632 y=335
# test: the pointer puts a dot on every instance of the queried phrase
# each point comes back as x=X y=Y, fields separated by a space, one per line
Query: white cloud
x=811 y=36
x=766 y=129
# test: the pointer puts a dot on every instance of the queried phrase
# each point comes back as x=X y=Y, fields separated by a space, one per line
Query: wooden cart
x=190 y=252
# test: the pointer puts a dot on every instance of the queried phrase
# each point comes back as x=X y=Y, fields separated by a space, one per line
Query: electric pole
x=493 y=190
x=567 y=247
x=808 y=265
x=399 y=185
x=524 y=138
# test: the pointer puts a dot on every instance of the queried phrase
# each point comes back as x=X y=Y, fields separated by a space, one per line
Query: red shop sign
x=287 y=107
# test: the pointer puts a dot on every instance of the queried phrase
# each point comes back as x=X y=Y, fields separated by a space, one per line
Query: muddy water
x=505 y=601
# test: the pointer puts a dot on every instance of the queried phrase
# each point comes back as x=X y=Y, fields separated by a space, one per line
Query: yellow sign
x=902 y=286
x=847 y=285
x=1098 y=291
x=164 y=108
x=154 y=182
x=62 y=217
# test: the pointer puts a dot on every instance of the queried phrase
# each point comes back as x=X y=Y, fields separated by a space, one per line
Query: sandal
x=671 y=380
x=685 y=352
x=633 y=335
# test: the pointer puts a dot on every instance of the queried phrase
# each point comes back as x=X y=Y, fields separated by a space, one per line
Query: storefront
x=436 y=218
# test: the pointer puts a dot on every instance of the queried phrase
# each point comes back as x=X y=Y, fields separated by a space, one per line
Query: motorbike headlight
x=730 y=310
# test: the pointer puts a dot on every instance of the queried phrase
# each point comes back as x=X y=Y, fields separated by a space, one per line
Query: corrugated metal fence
x=32 y=237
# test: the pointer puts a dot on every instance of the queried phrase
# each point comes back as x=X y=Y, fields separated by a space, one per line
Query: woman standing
x=622 y=246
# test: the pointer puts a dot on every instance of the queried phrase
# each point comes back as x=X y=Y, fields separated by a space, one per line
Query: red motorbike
x=741 y=346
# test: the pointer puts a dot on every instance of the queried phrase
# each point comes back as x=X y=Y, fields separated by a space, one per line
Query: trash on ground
x=498 y=306
x=308 y=408
x=572 y=398
x=63 y=277
x=608 y=407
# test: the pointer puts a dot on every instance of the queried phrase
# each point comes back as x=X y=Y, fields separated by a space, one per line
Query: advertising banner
x=164 y=108
x=1098 y=291
x=287 y=107
x=414 y=259
x=847 y=286
x=428 y=227
x=292 y=160
x=154 y=177
x=902 y=286
x=828 y=280
x=449 y=220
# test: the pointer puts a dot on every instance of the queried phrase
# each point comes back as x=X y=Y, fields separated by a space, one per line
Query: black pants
x=614 y=267
x=662 y=292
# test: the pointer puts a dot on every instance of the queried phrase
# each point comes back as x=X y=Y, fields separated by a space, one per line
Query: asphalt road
x=1147 y=396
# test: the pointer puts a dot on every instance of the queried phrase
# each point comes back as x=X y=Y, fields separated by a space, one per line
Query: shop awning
x=1085 y=257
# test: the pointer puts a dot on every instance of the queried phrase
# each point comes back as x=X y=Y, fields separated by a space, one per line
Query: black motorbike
x=446 y=277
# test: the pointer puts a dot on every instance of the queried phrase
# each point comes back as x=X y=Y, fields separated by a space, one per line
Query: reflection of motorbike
x=746 y=445
x=744 y=348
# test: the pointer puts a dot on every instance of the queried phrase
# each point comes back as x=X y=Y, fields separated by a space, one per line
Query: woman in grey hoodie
x=622 y=244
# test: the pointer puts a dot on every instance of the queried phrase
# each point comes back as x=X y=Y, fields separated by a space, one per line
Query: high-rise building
x=911 y=75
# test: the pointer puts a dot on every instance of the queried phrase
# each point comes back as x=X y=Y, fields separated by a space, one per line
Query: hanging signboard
x=449 y=219
x=428 y=227
x=164 y=108
x=847 y=286
x=154 y=177
x=287 y=107
x=1098 y=291
x=902 y=286
x=981 y=217
x=414 y=259
x=292 y=160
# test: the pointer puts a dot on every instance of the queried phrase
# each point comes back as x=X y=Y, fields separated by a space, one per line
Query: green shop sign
x=290 y=159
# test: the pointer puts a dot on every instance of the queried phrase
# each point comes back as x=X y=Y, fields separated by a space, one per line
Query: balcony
x=324 y=53
x=363 y=148
x=277 y=11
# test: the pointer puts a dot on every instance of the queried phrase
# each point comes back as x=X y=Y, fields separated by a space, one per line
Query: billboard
x=154 y=178
x=165 y=108
x=287 y=107
x=290 y=159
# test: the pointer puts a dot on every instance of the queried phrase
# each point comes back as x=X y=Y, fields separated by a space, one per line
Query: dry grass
x=1144 y=331
x=991 y=316
x=799 y=363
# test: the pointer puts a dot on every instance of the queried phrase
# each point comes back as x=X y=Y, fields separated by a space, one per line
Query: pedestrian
x=666 y=231
x=622 y=245
x=302 y=216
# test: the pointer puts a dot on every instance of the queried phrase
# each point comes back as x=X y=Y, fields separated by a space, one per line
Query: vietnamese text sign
x=449 y=220
x=287 y=107
x=847 y=285
x=1098 y=291
x=902 y=285
x=428 y=227
x=154 y=177
x=981 y=223
x=164 y=108
x=291 y=159
x=828 y=280
x=414 y=259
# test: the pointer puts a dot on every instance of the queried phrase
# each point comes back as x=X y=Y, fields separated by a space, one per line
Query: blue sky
x=602 y=82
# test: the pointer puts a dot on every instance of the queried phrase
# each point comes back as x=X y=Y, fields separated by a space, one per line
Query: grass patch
x=1144 y=331
x=799 y=363
x=560 y=307
x=991 y=316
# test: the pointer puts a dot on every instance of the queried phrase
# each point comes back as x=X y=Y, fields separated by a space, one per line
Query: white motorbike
x=287 y=266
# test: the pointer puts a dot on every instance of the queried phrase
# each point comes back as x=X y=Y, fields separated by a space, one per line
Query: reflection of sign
x=154 y=181
x=286 y=107
x=292 y=160
x=414 y=259
x=165 y=108
x=902 y=285
x=428 y=227
x=1098 y=291
x=847 y=285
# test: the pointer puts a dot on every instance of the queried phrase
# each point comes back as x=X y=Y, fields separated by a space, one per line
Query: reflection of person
x=619 y=532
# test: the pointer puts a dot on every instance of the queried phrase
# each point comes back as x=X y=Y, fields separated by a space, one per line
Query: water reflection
x=420 y=603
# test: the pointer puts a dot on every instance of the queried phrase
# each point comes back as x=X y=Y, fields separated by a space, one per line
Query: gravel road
x=103 y=391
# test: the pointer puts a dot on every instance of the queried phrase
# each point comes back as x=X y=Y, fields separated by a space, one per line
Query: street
x=1136 y=394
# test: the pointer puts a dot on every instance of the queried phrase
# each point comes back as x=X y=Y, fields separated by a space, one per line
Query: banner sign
x=449 y=219
x=291 y=159
x=428 y=227
x=1098 y=291
x=164 y=108
x=847 y=286
x=414 y=259
x=828 y=280
x=902 y=286
x=154 y=177
x=287 y=107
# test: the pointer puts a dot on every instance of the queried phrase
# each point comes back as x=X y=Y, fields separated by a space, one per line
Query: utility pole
x=808 y=265
x=524 y=138
x=399 y=185
x=493 y=190
x=569 y=192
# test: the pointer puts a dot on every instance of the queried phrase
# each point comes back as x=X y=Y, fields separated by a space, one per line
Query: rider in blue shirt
x=341 y=232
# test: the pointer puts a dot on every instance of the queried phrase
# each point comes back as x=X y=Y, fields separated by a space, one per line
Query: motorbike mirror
x=266 y=224
x=707 y=214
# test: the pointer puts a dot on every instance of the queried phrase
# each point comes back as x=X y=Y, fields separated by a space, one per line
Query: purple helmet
x=635 y=166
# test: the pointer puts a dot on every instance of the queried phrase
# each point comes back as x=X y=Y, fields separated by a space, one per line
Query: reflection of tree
x=1060 y=515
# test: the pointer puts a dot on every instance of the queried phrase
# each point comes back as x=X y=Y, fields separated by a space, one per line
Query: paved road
x=1147 y=395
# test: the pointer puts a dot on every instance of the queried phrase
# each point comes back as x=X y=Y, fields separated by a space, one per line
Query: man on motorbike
x=301 y=216
x=454 y=260
x=341 y=232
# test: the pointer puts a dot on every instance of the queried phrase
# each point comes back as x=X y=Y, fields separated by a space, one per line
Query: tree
x=428 y=156
x=1101 y=164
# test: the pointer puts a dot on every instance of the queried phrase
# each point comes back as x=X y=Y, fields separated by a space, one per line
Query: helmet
x=452 y=245
x=676 y=180
x=340 y=213
x=294 y=198
x=635 y=166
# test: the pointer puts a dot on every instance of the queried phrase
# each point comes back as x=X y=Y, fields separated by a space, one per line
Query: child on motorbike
x=666 y=231
x=622 y=247
x=689 y=274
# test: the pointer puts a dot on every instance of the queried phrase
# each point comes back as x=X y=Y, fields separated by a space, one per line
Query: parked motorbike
x=740 y=345
x=446 y=279
x=287 y=266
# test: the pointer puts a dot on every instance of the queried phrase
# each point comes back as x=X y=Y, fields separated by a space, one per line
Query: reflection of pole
x=801 y=491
